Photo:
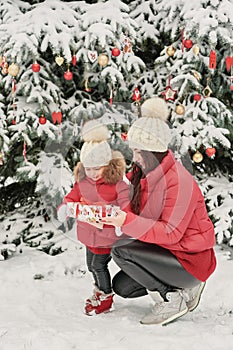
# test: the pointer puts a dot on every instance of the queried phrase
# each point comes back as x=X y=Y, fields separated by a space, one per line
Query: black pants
x=146 y=266
x=98 y=265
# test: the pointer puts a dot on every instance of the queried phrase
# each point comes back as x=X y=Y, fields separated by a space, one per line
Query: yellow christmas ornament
x=196 y=75
x=59 y=60
x=0 y=59
x=103 y=60
x=13 y=69
x=207 y=91
x=196 y=50
x=170 y=51
x=197 y=157
x=180 y=109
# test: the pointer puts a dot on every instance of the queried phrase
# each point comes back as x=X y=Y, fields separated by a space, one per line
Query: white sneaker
x=164 y=312
x=192 y=296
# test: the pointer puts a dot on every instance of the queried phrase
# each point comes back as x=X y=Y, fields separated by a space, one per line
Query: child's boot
x=99 y=302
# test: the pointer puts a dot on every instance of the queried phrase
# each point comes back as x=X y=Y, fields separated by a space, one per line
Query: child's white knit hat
x=151 y=132
x=95 y=151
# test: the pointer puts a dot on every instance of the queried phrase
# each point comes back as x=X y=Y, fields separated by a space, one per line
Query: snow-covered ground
x=42 y=299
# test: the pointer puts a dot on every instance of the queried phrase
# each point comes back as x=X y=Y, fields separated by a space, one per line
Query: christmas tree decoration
x=59 y=60
x=111 y=97
x=188 y=44
x=103 y=59
x=207 y=91
x=212 y=59
x=180 y=109
x=42 y=119
x=196 y=75
x=4 y=68
x=197 y=157
x=57 y=117
x=169 y=94
x=35 y=67
x=13 y=122
x=231 y=82
x=92 y=55
x=1 y=58
x=210 y=151
x=13 y=69
x=136 y=95
x=116 y=52
x=68 y=75
x=74 y=60
x=196 y=50
x=25 y=151
x=197 y=97
x=127 y=47
x=1 y=158
x=124 y=136
x=229 y=63
x=13 y=85
x=170 y=51
x=86 y=85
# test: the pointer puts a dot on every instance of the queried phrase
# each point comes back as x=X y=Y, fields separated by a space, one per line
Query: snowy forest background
x=64 y=62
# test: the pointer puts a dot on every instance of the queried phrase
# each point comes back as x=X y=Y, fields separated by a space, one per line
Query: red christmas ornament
x=57 y=117
x=169 y=94
x=212 y=59
x=231 y=84
x=42 y=119
x=197 y=97
x=13 y=122
x=74 y=60
x=188 y=44
x=210 y=151
x=136 y=95
x=35 y=67
x=68 y=75
x=229 y=62
x=116 y=52
x=124 y=136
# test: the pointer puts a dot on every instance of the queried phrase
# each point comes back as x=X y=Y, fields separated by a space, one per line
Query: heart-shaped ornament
x=92 y=55
x=59 y=60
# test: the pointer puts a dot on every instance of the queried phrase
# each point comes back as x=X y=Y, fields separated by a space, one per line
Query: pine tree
x=201 y=99
x=57 y=46
x=68 y=71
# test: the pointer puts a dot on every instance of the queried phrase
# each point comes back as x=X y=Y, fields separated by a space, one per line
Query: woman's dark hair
x=151 y=160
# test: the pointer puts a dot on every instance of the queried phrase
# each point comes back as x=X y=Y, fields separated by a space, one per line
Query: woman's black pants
x=146 y=266
x=98 y=265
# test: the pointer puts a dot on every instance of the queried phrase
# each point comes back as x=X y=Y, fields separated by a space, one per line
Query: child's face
x=94 y=173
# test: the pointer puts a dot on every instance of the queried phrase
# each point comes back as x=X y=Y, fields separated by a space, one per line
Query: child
x=99 y=181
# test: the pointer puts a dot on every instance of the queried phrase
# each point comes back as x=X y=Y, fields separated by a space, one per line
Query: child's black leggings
x=98 y=265
x=146 y=266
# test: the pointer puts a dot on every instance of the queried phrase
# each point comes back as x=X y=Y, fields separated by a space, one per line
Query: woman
x=169 y=253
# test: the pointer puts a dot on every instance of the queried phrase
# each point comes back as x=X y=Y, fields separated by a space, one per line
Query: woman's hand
x=117 y=220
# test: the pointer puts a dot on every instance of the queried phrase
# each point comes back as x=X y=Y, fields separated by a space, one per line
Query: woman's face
x=138 y=159
x=94 y=173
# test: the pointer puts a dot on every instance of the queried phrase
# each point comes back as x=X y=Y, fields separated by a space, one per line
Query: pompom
x=155 y=107
x=94 y=131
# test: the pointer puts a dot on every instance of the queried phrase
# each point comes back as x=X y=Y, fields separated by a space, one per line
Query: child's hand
x=62 y=213
x=117 y=220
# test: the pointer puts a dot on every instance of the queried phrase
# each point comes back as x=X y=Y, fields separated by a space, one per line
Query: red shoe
x=99 y=302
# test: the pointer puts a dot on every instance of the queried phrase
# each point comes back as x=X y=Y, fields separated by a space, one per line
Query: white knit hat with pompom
x=95 y=151
x=151 y=132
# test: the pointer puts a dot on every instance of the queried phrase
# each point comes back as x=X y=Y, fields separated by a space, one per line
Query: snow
x=42 y=299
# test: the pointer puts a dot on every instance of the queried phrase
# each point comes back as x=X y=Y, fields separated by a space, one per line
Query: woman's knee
x=124 y=286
